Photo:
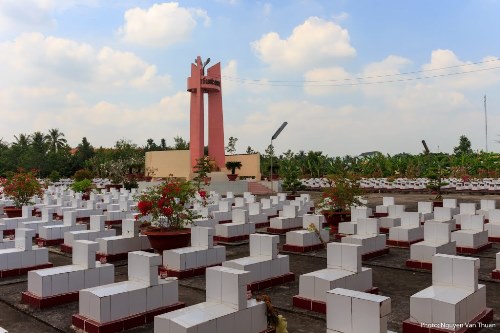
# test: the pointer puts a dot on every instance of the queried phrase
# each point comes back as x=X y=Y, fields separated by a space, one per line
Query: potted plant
x=130 y=183
x=204 y=165
x=338 y=199
x=233 y=165
x=165 y=207
x=83 y=186
x=20 y=187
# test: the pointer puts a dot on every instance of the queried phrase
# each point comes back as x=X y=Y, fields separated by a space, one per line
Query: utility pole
x=486 y=124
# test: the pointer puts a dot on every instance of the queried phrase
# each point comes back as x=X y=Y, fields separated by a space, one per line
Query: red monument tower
x=198 y=84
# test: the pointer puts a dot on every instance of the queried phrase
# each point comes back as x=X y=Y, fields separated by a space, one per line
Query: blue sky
x=335 y=70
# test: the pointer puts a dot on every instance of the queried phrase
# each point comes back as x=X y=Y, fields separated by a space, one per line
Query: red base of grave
x=262 y=225
x=374 y=254
x=494 y=239
x=22 y=271
x=113 y=222
x=66 y=248
x=418 y=264
x=475 y=326
x=404 y=244
x=46 y=302
x=234 y=239
x=318 y=306
x=302 y=249
x=91 y=326
x=84 y=220
x=383 y=230
x=495 y=275
x=281 y=231
x=49 y=242
x=268 y=283
x=340 y=236
x=225 y=221
x=184 y=274
x=380 y=215
x=115 y=257
x=471 y=250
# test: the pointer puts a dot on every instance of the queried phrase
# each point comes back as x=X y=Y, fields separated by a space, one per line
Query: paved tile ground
x=389 y=274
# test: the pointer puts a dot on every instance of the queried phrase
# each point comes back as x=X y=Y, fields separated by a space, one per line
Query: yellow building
x=178 y=164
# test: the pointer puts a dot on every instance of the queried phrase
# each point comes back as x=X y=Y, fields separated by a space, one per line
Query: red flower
x=144 y=207
x=203 y=194
x=167 y=211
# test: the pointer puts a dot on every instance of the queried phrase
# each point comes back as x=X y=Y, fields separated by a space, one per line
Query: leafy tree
x=290 y=172
x=55 y=140
x=180 y=143
x=150 y=145
x=464 y=146
x=231 y=146
x=250 y=150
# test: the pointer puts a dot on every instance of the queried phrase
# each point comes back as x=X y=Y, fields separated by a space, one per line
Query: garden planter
x=333 y=219
x=438 y=203
x=110 y=186
x=168 y=240
x=232 y=177
x=12 y=211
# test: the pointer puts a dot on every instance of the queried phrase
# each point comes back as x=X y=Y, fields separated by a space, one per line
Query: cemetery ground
x=390 y=275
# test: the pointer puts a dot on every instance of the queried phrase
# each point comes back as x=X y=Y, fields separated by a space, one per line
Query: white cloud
x=53 y=82
x=230 y=74
x=28 y=14
x=324 y=81
x=161 y=25
x=65 y=64
x=311 y=44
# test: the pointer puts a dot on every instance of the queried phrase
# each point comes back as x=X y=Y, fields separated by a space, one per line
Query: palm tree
x=55 y=139
x=22 y=141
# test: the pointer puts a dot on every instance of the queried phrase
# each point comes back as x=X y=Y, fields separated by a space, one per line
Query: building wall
x=250 y=165
x=178 y=163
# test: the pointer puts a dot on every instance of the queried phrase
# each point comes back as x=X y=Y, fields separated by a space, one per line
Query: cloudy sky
x=348 y=76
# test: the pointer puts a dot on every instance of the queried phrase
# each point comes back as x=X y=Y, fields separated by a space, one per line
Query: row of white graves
x=454 y=302
x=193 y=260
x=420 y=184
x=24 y=256
x=343 y=271
x=367 y=235
x=409 y=232
x=226 y=308
x=97 y=230
x=58 y=285
x=291 y=215
x=311 y=237
x=118 y=306
x=267 y=268
x=496 y=272
x=350 y=227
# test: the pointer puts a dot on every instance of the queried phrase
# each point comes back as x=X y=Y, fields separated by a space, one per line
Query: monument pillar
x=198 y=84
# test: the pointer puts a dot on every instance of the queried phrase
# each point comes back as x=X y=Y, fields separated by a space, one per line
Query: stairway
x=258 y=188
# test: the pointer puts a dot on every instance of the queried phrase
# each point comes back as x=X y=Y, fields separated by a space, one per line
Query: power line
x=301 y=83
x=268 y=83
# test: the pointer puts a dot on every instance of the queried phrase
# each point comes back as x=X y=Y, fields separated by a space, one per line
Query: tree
x=55 y=140
x=231 y=146
x=163 y=144
x=150 y=145
x=250 y=150
x=180 y=143
x=464 y=146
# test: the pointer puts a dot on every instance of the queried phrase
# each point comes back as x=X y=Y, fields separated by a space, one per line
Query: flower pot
x=110 y=186
x=167 y=240
x=232 y=177
x=334 y=218
x=12 y=211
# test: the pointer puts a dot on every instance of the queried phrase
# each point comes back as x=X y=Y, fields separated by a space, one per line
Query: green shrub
x=82 y=185
x=82 y=174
